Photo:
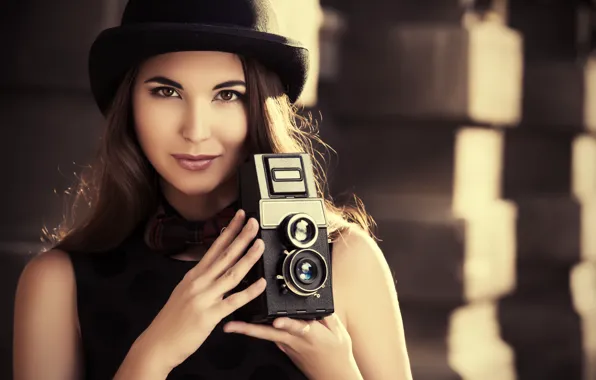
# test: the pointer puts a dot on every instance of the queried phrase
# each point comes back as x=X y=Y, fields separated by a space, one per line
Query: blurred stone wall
x=468 y=131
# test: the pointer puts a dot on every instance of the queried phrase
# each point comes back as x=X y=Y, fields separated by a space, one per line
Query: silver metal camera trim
x=271 y=218
x=294 y=287
x=295 y=242
x=307 y=165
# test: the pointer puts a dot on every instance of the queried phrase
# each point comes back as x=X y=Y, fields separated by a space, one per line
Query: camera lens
x=305 y=271
x=301 y=230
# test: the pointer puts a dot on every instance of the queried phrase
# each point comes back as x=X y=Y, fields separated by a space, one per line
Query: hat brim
x=118 y=49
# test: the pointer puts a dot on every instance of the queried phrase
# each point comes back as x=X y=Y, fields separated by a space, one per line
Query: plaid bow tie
x=168 y=231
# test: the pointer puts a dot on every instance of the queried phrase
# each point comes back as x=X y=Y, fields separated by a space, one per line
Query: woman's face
x=190 y=118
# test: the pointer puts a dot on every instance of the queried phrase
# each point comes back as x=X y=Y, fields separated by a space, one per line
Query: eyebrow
x=165 y=81
x=169 y=82
x=230 y=83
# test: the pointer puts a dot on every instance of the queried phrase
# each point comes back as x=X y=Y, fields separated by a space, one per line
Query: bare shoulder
x=356 y=257
x=49 y=272
x=46 y=337
x=356 y=247
x=367 y=295
x=359 y=264
x=48 y=265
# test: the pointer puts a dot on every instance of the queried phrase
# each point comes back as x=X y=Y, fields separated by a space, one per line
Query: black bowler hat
x=151 y=27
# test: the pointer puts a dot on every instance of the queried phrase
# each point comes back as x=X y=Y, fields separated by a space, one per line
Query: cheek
x=233 y=130
x=154 y=125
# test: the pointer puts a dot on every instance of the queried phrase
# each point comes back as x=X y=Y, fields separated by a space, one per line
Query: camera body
x=279 y=191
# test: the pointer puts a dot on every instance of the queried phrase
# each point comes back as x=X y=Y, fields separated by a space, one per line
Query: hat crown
x=255 y=15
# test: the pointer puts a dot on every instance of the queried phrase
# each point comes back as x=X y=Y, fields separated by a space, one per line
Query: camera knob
x=283 y=286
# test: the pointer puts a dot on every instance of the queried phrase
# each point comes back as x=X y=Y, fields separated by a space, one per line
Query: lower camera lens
x=305 y=271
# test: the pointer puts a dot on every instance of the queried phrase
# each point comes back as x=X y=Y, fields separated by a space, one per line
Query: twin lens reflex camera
x=278 y=190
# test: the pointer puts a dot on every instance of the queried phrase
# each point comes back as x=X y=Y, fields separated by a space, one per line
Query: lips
x=194 y=163
x=200 y=157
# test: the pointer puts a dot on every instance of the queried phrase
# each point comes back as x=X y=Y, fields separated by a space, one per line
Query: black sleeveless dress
x=120 y=292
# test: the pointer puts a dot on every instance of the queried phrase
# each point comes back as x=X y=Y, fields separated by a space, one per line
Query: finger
x=261 y=332
x=282 y=347
x=295 y=327
x=235 y=301
x=333 y=323
x=233 y=275
x=230 y=256
x=220 y=244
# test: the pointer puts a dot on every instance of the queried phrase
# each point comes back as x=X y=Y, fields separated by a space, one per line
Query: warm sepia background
x=467 y=127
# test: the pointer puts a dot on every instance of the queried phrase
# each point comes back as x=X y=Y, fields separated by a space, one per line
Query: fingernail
x=279 y=324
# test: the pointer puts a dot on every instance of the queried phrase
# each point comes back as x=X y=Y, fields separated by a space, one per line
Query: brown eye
x=167 y=92
x=227 y=95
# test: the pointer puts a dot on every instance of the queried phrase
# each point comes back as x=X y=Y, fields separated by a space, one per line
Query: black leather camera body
x=278 y=190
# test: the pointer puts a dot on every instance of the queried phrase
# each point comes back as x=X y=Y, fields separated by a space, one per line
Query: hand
x=197 y=304
x=321 y=349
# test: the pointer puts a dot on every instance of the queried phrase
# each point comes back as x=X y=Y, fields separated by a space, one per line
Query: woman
x=190 y=89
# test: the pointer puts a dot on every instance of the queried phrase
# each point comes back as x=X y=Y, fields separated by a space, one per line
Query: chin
x=194 y=188
x=195 y=184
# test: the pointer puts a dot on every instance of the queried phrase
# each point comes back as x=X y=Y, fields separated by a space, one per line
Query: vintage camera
x=278 y=190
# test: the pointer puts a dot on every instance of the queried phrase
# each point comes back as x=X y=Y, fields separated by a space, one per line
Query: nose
x=197 y=124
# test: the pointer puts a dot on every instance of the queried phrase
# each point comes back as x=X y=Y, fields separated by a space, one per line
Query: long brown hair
x=121 y=188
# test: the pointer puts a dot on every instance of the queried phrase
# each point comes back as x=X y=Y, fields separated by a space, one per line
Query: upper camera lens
x=301 y=230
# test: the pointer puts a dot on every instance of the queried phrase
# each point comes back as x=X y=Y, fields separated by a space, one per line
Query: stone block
x=407 y=159
x=542 y=327
x=428 y=11
x=588 y=237
x=426 y=259
x=428 y=72
x=474 y=254
x=550 y=29
x=478 y=169
x=583 y=290
x=584 y=166
x=476 y=350
x=302 y=21
x=548 y=229
x=560 y=95
x=427 y=327
x=537 y=164
x=490 y=246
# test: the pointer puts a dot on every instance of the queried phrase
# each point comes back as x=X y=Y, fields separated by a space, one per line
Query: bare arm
x=46 y=336
x=373 y=317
